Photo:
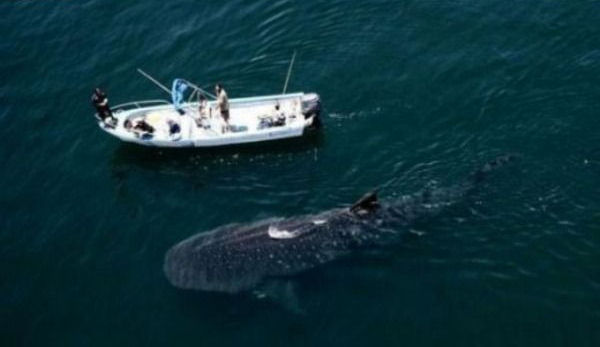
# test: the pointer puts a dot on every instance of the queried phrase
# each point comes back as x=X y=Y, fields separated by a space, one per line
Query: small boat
x=197 y=122
x=160 y=123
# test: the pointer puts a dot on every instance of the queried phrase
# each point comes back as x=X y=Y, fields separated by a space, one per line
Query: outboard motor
x=311 y=106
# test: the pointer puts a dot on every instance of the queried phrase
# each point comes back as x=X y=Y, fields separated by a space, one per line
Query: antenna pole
x=154 y=81
x=289 y=73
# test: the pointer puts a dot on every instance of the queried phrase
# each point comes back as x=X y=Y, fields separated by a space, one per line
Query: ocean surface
x=414 y=92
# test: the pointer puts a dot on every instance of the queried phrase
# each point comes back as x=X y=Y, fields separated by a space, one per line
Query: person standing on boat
x=202 y=104
x=223 y=104
x=100 y=102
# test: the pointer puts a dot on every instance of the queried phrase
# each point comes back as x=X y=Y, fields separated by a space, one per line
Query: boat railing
x=253 y=99
x=139 y=104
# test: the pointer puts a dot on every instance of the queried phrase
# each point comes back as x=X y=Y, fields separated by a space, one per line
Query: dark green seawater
x=414 y=92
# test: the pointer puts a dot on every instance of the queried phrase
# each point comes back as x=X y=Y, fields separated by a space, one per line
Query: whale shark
x=238 y=257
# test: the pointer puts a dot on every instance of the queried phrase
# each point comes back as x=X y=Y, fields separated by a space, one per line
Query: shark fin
x=367 y=203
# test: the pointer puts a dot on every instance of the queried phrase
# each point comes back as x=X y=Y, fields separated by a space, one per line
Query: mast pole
x=289 y=73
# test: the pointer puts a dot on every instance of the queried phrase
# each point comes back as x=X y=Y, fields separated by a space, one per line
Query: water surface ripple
x=416 y=93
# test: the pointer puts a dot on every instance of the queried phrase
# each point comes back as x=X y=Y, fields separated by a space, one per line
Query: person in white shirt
x=223 y=104
x=202 y=103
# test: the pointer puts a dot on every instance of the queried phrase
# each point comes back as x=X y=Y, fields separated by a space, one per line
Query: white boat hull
x=248 y=122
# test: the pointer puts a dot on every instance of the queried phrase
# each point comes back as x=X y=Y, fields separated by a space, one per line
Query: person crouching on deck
x=223 y=105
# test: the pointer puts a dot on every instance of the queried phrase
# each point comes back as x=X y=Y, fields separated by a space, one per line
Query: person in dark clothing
x=140 y=129
x=174 y=128
x=144 y=126
x=100 y=102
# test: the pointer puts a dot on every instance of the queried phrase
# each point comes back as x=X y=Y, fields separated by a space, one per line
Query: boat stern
x=311 y=109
